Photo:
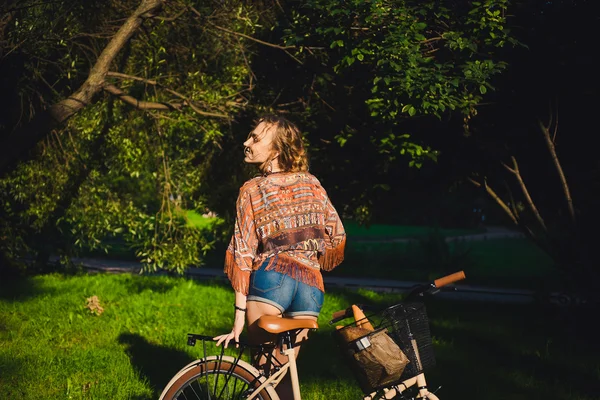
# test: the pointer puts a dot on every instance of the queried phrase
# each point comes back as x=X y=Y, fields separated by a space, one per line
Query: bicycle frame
x=395 y=390
x=272 y=379
x=417 y=291
x=399 y=388
x=291 y=366
x=275 y=378
x=285 y=345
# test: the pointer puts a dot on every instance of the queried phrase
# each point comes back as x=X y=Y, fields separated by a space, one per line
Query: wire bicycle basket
x=378 y=362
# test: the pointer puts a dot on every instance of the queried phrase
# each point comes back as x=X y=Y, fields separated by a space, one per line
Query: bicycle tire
x=217 y=378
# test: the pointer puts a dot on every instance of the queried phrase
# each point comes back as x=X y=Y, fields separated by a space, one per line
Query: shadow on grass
x=17 y=289
x=502 y=352
x=156 y=363
x=375 y=300
x=10 y=376
x=149 y=283
x=483 y=350
x=487 y=365
x=320 y=361
x=320 y=358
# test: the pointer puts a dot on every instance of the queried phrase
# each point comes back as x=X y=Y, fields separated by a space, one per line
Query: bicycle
x=222 y=376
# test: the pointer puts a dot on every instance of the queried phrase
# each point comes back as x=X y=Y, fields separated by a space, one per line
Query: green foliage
x=414 y=58
x=115 y=171
x=384 y=82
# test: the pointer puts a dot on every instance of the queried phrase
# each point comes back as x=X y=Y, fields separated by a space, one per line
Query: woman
x=286 y=232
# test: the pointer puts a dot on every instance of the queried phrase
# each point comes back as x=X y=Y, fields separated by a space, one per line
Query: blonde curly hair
x=287 y=141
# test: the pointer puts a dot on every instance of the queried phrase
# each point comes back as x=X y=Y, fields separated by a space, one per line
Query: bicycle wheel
x=217 y=379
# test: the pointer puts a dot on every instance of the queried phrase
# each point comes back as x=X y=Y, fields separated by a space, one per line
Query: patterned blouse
x=286 y=219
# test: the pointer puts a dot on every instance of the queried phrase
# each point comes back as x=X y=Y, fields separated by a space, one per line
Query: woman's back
x=288 y=219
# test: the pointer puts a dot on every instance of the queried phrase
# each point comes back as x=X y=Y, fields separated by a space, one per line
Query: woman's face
x=258 y=148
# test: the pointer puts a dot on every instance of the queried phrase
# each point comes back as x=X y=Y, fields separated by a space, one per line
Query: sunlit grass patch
x=197 y=220
x=53 y=346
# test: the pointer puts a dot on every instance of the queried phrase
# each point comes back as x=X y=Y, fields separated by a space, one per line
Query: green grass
x=511 y=262
x=53 y=347
x=508 y=262
x=196 y=220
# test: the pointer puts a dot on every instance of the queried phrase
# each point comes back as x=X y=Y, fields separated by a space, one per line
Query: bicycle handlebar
x=419 y=290
x=448 y=279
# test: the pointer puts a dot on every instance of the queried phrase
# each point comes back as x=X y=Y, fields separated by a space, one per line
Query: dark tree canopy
x=119 y=117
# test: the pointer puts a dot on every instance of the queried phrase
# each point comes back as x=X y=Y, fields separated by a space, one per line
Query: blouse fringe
x=292 y=268
x=333 y=256
x=240 y=279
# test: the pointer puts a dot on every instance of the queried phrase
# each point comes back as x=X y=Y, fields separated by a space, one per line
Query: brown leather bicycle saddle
x=275 y=324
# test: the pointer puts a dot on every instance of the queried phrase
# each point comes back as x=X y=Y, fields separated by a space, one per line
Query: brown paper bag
x=379 y=364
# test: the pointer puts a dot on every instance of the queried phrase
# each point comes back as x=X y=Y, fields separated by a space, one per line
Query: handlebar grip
x=446 y=280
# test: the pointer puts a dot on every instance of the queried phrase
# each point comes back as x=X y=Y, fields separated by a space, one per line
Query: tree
x=373 y=78
x=61 y=111
x=559 y=234
x=156 y=94
x=534 y=150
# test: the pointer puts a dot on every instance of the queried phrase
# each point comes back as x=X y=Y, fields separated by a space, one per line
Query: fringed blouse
x=286 y=219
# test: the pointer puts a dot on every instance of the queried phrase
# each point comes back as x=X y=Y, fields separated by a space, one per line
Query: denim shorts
x=290 y=296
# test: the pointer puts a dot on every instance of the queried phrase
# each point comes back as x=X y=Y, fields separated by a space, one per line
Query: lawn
x=52 y=346
x=506 y=262
x=196 y=220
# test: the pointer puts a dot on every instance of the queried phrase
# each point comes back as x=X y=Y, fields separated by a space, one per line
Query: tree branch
x=276 y=46
x=513 y=216
x=156 y=106
x=139 y=104
x=561 y=174
x=515 y=171
x=27 y=137
x=498 y=200
x=191 y=104
x=433 y=39
x=132 y=77
x=173 y=18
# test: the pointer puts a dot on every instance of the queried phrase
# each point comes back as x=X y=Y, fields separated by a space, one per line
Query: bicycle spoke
x=227 y=379
x=209 y=385
x=202 y=381
x=217 y=376
x=193 y=390
x=234 y=385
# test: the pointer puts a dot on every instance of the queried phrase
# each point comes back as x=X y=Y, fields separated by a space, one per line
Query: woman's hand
x=238 y=327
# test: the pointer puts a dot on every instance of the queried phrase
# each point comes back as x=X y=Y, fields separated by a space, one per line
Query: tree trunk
x=24 y=139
